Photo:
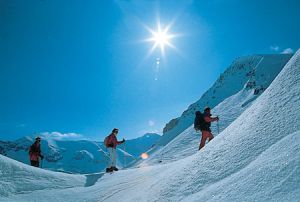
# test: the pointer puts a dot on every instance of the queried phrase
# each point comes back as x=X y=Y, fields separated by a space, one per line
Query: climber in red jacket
x=111 y=144
x=205 y=129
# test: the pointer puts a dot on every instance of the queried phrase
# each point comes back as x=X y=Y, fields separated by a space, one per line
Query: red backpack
x=106 y=141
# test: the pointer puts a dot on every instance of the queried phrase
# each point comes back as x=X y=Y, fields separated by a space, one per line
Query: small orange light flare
x=144 y=155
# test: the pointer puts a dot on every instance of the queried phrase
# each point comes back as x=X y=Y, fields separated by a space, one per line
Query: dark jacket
x=35 y=152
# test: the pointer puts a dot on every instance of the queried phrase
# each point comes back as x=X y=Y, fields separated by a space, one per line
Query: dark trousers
x=205 y=135
x=35 y=163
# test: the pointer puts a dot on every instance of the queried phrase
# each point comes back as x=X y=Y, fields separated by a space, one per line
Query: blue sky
x=82 y=67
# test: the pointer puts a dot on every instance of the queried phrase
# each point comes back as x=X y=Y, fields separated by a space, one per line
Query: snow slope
x=260 y=70
x=273 y=116
x=276 y=177
x=18 y=178
x=254 y=72
x=187 y=143
x=256 y=158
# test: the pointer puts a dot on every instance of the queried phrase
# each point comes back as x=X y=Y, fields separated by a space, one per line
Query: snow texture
x=19 y=178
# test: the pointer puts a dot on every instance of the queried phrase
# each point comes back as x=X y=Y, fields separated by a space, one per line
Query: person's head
x=115 y=131
x=207 y=110
x=38 y=140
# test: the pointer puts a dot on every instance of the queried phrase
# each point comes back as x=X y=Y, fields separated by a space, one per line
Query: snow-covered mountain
x=77 y=156
x=255 y=157
x=249 y=73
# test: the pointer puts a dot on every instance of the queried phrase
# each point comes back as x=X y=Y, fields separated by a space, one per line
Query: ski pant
x=112 y=157
x=35 y=163
x=205 y=135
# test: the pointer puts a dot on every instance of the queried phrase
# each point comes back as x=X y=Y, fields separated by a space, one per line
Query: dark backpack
x=199 y=121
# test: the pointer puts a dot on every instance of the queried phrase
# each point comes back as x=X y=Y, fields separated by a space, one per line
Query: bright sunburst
x=161 y=38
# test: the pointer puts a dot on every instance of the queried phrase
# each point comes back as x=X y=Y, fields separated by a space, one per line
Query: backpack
x=106 y=141
x=199 y=121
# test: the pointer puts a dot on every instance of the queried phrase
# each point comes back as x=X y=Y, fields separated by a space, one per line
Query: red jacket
x=112 y=141
x=34 y=152
x=208 y=119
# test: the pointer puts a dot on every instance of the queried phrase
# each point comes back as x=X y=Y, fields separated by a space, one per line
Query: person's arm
x=121 y=142
x=210 y=119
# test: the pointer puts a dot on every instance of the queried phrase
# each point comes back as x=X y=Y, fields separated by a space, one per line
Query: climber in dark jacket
x=35 y=153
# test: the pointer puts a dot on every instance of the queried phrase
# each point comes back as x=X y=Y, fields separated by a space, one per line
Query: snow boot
x=109 y=170
x=115 y=168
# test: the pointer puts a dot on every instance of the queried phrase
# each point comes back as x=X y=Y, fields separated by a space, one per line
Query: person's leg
x=110 y=162
x=114 y=158
x=203 y=139
x=210 y=136
x=35 y=163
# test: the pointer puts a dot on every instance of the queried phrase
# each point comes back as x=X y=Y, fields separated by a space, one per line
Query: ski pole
x=124 y=155
x=101 y=150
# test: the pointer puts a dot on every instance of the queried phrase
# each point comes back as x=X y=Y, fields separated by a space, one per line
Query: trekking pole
x=104 y=152
x=101 y=150
x=218 y=127
x=42 y=163
x=124 y=155
x=107 y=159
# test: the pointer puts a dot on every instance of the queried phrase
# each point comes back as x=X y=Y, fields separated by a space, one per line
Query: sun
x=160 y=38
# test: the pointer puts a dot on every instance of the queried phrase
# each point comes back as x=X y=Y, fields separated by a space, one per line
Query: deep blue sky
x=81 y=66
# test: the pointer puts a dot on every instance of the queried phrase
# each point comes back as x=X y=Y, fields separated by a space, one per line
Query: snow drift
x=19 y=178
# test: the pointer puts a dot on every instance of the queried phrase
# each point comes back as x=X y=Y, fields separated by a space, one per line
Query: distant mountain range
x=77 y=156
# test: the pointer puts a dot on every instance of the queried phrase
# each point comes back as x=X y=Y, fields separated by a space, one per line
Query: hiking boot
x=109 y=170
x=115 y=168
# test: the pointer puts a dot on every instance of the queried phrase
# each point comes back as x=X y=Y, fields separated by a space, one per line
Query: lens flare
x=144 y=155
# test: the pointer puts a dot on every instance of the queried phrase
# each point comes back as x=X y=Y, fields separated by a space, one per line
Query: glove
x=123 y=140
x=42 y=157
x=111 y=145
x=217 y=118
